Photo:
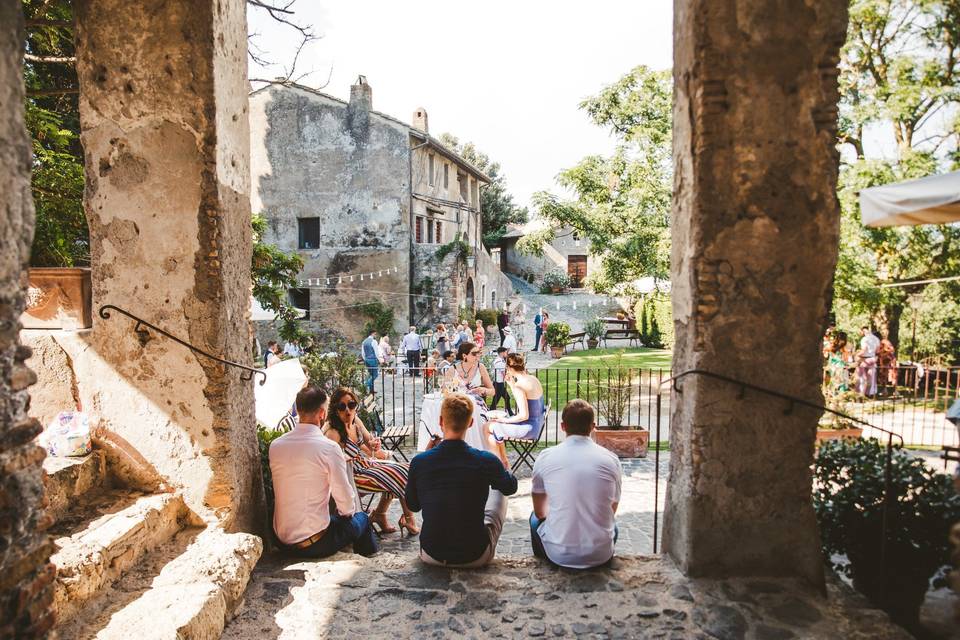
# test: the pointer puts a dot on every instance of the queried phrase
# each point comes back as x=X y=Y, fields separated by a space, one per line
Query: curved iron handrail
x=249 y=371
x=793 y=400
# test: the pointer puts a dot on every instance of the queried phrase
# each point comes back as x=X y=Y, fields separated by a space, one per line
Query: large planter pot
x=556 y=352
x=58 y=298
x=592 y=344
x=628 y=442
x=838 y=434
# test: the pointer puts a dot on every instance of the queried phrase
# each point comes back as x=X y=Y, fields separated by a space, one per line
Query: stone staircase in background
x=133 y=565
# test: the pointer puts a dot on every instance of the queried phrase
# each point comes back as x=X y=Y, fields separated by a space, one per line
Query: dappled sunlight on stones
x=394 y=595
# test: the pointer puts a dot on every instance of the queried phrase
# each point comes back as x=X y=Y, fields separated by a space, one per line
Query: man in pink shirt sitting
x=308 y=469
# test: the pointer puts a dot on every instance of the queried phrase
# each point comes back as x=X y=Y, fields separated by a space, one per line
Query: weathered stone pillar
x=755 y=229
x=163 y=107
x=26 y=575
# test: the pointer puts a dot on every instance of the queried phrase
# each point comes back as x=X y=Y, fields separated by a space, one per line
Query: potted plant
x=594 y=330
x=558 y=334
x=613 y=404
x=849 y=501
x=555 y=281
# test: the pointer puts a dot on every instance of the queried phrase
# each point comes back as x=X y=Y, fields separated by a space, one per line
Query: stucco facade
x=356 y=192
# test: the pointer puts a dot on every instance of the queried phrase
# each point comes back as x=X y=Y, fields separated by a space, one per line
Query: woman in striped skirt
x=374 y=471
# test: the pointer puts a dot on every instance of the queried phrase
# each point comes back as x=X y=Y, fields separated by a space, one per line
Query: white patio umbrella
x=930 y=200
x=275 y=397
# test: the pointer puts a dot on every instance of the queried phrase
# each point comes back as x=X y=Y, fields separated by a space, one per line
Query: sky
x=507 y=76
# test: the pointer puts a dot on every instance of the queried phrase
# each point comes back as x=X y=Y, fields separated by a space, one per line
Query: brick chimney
x=420 y=120
x=358 y=111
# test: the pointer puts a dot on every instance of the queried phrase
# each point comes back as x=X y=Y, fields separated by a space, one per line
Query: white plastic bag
x=67 y=435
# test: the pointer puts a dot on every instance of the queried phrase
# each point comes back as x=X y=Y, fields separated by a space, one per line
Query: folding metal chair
x=525 y=448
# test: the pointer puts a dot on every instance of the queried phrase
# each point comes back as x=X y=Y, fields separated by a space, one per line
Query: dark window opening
x=429 y=232
x=300 y=298
x=430 y=171
x=419 y=230
x=439 y=235
x=308 y=233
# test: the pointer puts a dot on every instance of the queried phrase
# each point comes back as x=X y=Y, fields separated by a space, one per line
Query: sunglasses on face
x=474 y=353
x=343 y=406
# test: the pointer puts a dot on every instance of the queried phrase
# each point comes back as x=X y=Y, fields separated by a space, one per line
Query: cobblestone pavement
x=394 y=596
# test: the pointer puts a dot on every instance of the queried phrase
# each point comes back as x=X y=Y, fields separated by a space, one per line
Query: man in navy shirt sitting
x=451 y=483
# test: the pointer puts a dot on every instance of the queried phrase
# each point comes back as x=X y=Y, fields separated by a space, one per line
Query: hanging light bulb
x=328 y=281
x=361 y=277
x=380 y=273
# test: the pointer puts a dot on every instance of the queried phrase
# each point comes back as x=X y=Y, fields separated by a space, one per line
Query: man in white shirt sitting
x=576 y=490
x=308 y=469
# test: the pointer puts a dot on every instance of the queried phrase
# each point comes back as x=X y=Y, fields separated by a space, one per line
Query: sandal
x=378 y=522
x=410 y=524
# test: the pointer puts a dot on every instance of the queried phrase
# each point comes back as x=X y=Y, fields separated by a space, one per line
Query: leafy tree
x=53 y=121
x=497 y=207
x=899 y=76
x=622 y=203
x=273 y=273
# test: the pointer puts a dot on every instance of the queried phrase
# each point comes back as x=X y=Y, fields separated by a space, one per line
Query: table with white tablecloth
x=429 y=423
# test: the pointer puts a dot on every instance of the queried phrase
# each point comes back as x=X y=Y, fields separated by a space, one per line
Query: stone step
x=103 y=548
x=66 y=480
x=187 y=588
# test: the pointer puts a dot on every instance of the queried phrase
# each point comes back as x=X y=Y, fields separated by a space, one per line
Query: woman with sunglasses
x=373 y=470
x=472 y=372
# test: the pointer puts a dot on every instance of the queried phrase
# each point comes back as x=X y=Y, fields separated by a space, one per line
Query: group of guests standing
x=841 y=359
x=462 y=492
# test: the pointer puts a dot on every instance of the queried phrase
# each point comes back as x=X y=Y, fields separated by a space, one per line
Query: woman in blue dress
x=528 y=392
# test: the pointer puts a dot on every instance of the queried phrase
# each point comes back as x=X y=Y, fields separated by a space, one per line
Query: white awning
x=930 y=200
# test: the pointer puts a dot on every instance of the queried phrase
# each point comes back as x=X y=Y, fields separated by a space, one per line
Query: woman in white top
x=472 y=372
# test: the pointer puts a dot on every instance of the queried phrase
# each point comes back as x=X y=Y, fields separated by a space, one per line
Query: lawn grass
x=560 y=385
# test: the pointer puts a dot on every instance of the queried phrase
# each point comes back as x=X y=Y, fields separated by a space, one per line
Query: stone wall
x=314 y=156
x=755 y=230
x=163 y=108
x=554 y=255
x=490 y=280
x=26 y=575
x=447 y=280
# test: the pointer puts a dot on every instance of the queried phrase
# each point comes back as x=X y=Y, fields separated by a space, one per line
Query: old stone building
x=567 y=252
x=379 y=209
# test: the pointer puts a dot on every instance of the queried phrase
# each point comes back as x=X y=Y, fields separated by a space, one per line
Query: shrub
x=380 y=318
x=264 y=438
x=335 y=365
x=558 y=333
x=613 y=397
x=556 y=279
x=594 y=329
x=848 y=498
x=487 y=316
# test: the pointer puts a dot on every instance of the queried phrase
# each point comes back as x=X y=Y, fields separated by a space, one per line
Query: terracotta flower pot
x=628 y=442
x=556 y=352
x=592 y=344
x=58 y=298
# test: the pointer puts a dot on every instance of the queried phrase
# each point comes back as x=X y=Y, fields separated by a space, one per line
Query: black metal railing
x=792 y=401
x=248 y=374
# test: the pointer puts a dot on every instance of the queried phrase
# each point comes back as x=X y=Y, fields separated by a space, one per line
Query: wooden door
x=577 y=270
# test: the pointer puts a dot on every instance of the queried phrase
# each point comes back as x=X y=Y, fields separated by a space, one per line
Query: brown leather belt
x=303 y=544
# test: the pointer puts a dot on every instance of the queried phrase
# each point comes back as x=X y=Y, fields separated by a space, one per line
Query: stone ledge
x=94 y=557
x=193 y=595
x=637 y=597
x=66 y=479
